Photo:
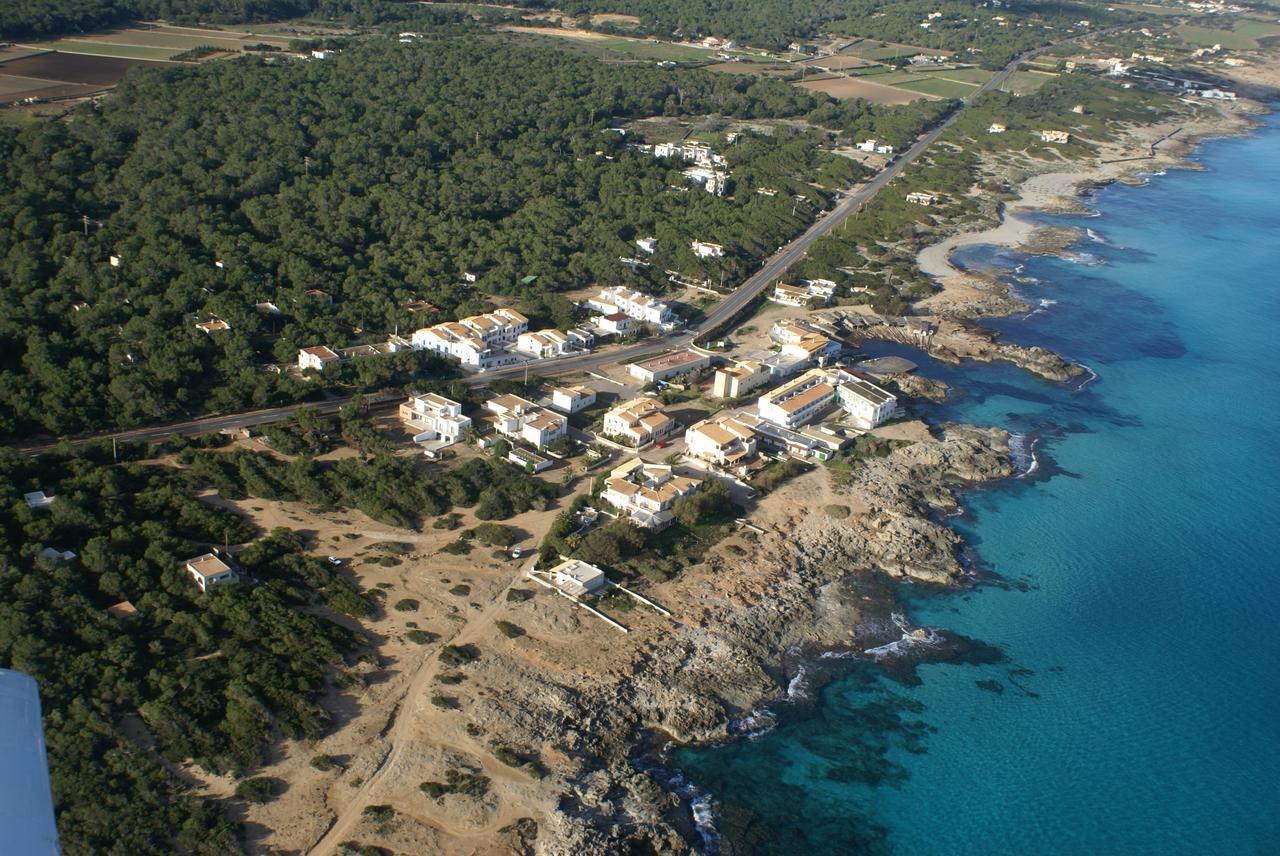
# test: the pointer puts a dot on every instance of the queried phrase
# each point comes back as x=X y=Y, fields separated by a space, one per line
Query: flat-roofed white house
x=705 y=250
x=519 y=419
x=648 y=245
x=644 y=493
x=317 y=358
x=737 y=380
x=638 y=422
x=571 y=399
x=434 y=417
x=210 y=570
x=1059 y=137
x=38 y=499
x=798 y=401
x=575 y=577
x=811 y=291
x=726 y=442
x=867 y=404
x=920 y=197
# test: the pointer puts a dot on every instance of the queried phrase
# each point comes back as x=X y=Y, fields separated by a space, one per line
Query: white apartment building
x=867 y=404
x=645 y=493
x=434 y=417
x=919 y=197
x=571 y=399
x=725 y=442
x=544 y=343
x=705 y=250
x=638 y=422
x=519 y=419
x=474 y=341
x=736 y=381
x=634 y=304
x=799 y=401
x=811 y=291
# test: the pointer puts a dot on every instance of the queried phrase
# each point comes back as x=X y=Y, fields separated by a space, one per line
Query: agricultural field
x=1243 y=35
x=61 y=75
x=615 y=48
x=877 y=50
x=157 y=41
x=839 y=62
x=1024 y=82
x=849 y=87
x=749 y=68
x=940 y=87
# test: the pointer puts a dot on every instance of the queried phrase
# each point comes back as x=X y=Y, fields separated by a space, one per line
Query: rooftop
x=207 y=566
x=675 y=358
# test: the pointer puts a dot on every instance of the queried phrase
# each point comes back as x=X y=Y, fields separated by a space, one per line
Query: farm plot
x=1204 y=37
x=939 y=86
x=158 y=41
x=839 y=62
x=61 y=75
x=1024 y=82
x=846 y=87
x=614 y=47
x=878 y=50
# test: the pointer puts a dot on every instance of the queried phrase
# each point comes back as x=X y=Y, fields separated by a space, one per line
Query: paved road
x=774 y=267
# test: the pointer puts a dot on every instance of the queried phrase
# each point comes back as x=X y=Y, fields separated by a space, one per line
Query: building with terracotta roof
x=317 y=358
x=738 y=380
x=638 y=422
x=669 y=365
x=725 y=442
x=519 y=419
x=799 y=401
x=634 y=304
x=645 y=493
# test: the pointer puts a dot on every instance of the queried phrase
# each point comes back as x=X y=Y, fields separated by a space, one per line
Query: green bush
x=406 y=604
x=258 y=790
x=509 y=630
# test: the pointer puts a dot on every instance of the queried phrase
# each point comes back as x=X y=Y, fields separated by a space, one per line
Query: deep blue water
x=1138 y=711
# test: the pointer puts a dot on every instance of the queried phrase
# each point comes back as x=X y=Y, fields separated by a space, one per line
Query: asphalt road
x=773 y=268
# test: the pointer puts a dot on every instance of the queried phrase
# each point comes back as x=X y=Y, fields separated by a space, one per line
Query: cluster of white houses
x=809 y=291
x=875 y=146
x=644 y=493
x=498 y=338
x=620 y=300
x=638 y=422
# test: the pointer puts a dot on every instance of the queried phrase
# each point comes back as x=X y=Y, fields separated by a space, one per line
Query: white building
x=711 y=180
x=616 y=323
x=736 y=381
x=543 y=344
x=919 y=197
x=725 y=442
x=519 y=419
x=575 y=577
x=799 y=401
x=996 y=128
x=648 y=245
x=434 y=417
x=476 y=341
x=812 y=291
x=210 y=570
x=641 y=307
x=317 y=359
x=323 y=54
x=38 y=499
x=571 y=399
x=645 y=493
x=1055 y=137
x=638 y=422
x=704 y=250
x=875 y=146
x=669 y=365
x=867 y=404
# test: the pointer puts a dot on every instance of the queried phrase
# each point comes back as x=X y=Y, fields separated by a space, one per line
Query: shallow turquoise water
x=1139 y=709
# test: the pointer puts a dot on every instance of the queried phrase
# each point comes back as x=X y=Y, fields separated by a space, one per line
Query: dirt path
x=408 y=713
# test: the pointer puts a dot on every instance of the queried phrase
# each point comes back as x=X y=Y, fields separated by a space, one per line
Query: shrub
x=456 y=548
x=379 y=813
x=458 y=655
x=450 y=678
x=509 y=630
x=495 y=534
x=839 y=512
x=257 y=790
x=435 y=790
x=467 y=784
x=421 y=637
x=323 y=762
x=460 y=590
x=444 y=702
x=407 y=604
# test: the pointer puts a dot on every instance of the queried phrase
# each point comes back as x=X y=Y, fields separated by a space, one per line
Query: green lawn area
x=869 y=71
x=1022 y=82
x=966 y=75
x=1205 y=37
x=877 y=50
x=1255 y=28
x=936 y=86
x=104 y=49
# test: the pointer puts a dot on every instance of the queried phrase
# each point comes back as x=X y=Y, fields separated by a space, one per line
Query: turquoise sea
x=1138 y=708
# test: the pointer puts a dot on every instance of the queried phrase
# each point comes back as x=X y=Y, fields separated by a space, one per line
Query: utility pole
x=84 y=218
x=115 y=458
x=306 y=164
